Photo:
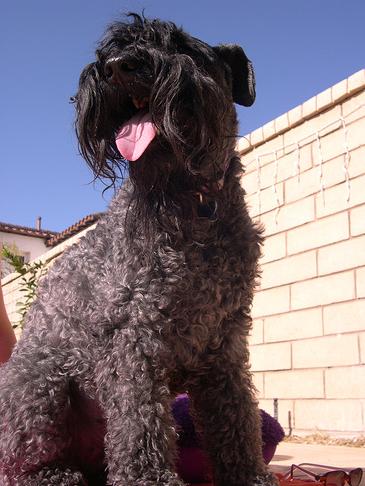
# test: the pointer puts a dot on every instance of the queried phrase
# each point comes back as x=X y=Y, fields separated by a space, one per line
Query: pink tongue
x=135 y=135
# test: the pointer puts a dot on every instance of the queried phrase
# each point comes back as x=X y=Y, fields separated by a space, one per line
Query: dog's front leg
x=140 y=439
x=34 y=403
x=224 y=404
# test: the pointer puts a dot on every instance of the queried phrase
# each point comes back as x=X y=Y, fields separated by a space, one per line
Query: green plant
x=30 y=273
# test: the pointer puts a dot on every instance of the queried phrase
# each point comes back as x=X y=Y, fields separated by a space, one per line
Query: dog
x=156 y=299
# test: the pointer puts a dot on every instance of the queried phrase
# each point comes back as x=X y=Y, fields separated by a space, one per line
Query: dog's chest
x=204 y=282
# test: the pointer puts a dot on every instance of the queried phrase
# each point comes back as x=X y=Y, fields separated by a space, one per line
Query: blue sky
x=298 y=47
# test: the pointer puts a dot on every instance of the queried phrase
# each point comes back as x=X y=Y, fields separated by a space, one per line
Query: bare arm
x=7 y=336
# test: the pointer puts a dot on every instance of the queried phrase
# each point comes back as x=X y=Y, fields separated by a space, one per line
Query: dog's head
x=164 y=100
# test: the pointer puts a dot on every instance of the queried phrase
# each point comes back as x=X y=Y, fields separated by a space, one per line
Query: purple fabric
x=185 y=426
x=272 y=431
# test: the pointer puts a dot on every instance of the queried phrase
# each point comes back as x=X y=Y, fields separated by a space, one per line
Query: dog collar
x=209 y=209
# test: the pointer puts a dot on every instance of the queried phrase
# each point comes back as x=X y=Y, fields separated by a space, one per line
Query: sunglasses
x=333 y=477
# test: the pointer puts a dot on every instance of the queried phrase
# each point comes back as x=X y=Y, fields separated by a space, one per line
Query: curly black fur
x=156 y=300
x=189 y=87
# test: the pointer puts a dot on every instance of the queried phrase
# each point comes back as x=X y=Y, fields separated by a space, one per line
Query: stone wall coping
x=50 y=254
x=309 y=109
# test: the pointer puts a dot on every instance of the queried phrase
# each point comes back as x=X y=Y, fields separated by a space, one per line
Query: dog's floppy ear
x=243 y=76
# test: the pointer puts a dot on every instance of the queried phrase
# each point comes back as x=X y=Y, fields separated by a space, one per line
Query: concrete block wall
x=305 y=182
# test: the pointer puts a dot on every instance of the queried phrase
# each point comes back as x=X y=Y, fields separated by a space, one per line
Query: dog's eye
x=115 y=66
x=129 y=66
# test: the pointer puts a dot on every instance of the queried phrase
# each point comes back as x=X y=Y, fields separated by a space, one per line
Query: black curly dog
x=156 y=300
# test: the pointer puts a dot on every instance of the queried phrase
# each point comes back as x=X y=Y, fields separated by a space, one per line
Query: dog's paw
x=49 y=477
x=268 y=479
x=164 y=479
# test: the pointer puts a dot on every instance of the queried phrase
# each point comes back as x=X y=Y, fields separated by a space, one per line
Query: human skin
x=7 y=336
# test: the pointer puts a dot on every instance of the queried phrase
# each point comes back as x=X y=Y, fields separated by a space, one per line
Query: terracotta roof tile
x=52 y=238
x=26 y=231
x=73 y=230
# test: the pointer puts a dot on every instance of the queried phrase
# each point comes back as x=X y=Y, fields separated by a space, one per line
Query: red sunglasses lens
x=335 y=478
x=355 y=477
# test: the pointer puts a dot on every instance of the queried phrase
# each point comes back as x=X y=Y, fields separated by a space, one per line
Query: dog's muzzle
x=136 y=133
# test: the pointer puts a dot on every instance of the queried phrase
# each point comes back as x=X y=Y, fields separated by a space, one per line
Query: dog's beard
x=162 y=200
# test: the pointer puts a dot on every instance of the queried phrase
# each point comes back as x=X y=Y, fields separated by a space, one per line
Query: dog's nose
x=117 y=69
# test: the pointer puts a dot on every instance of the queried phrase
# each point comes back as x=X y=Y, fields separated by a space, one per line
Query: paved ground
x=345 y=457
